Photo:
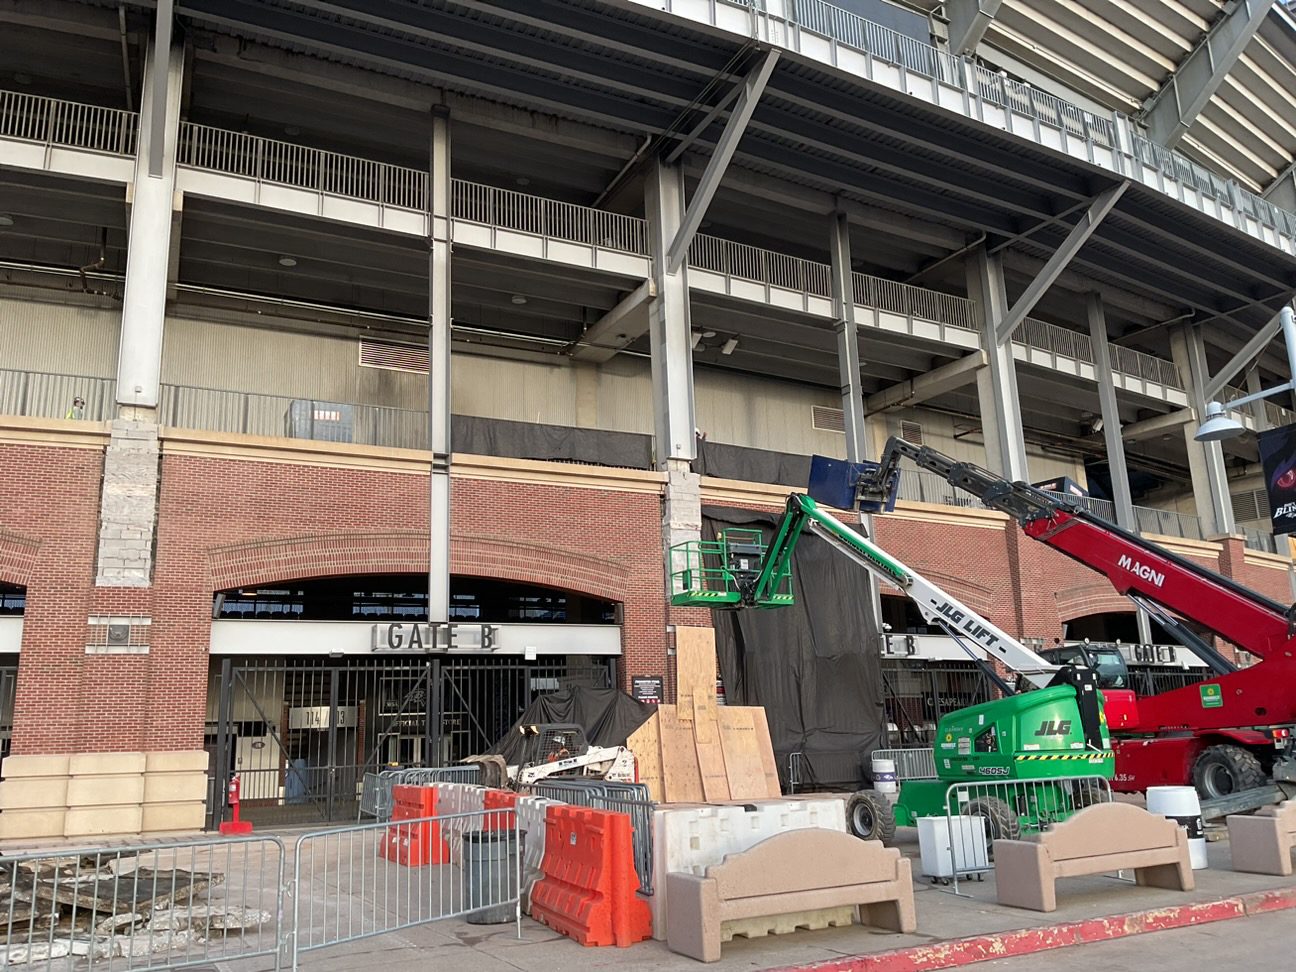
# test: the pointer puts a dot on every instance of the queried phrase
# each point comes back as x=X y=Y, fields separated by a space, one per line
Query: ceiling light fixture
x=6 y=219
x=523 y=181
x=695 y=338
x=292 y=131
x=518 y=299
x=287 y=261
x=708 y=334
x=22 y=78
x=729 y=346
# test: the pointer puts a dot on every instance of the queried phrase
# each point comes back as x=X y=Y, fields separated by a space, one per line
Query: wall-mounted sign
x=408 y=636
x=317 y=717
x=647 y=688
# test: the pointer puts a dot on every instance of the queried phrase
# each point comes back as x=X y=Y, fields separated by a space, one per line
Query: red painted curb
x=966 y=951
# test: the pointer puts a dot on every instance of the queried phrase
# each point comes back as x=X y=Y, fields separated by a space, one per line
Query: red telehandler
x=1228 y=734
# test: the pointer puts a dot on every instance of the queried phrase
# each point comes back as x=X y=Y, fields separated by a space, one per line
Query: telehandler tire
x=1221 y=770
x=870 y=816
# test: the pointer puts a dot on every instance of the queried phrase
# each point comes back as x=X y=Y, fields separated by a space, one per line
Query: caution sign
x=1211 y=697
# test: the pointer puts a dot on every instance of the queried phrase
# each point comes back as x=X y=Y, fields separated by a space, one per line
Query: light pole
x=1218 y=424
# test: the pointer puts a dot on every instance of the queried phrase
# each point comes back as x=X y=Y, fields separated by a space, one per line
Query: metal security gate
x=918 y=693
x=302 y=733
x=8 y=690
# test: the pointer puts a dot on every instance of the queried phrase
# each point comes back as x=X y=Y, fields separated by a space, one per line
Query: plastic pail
x=1181 y=805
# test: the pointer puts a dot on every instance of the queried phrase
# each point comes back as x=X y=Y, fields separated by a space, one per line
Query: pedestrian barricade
x=143 y=906
x=588 y=891
x=979 y=813
x=346 y=889
x=376 y=788
x=631 y=799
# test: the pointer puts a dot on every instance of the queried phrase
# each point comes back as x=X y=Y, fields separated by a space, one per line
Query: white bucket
x=884 y=777
x=1181 y=805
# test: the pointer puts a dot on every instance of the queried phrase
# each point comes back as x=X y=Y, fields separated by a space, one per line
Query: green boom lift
x=1052 y=732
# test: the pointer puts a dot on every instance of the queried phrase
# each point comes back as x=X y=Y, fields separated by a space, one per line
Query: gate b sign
x=411 y=637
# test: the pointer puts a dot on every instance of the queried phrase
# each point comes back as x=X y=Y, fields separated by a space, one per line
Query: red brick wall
x=222 y=522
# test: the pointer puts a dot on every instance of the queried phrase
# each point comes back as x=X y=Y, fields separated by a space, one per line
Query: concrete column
x=439 y=324
x=848 y=356
x=669 y=330
x=1001 y=420
x=148 y=248
x=1205 y=459
x=1257 y=409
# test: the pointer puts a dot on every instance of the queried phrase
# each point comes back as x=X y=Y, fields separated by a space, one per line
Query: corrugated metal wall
x=65 y=339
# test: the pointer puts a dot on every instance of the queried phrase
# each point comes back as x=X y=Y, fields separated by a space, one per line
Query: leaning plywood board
x=768 y=762
x=695 y=668
x=710 y=755
x=645 y=743
x=681 y=776
x=744 y=768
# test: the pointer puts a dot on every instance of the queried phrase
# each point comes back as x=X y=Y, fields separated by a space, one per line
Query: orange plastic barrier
x=589 y=887
x=414 y=845
x=499 y=800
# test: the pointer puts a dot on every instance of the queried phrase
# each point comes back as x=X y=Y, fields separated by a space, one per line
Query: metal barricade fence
x=631 y=799
x=910 y=764
x=376 y=788
x=979 y=813
x=144 y=906
x=349 y=885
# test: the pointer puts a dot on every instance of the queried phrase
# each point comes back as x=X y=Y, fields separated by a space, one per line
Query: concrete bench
x=1263 y=843
x=1101 y=838
x=798 y=879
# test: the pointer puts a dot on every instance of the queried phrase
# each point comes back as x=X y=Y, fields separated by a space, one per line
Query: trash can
x=1182 y=805
x=490 y=865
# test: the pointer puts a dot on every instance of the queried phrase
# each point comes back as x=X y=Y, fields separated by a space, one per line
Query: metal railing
x=631 y=799
x=290 y=164
x=979 y=813
x=1030 y=101
x=759 y=265
x=147 y=906
x=1055 y=339
x=1168 y=523
x=1274 y=413
x=376 y=788
x=910 y=764
x=911 y=301
x=1257 y=539
x=52 y=121
x=349 y=883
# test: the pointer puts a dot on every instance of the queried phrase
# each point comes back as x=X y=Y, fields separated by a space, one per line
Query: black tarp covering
x=608 y=717
x=751 y=465
x=531 y=440
x=814 y=666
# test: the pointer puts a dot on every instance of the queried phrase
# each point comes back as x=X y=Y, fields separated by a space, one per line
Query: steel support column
x=1247 y=354
x=439 y=324
x=1122 y=499
x=1257 y=408
x=670 y=331
x=848 y=356
x=148 y=248
x=1205 y=459
x=1001 y=419
x=1172 y=109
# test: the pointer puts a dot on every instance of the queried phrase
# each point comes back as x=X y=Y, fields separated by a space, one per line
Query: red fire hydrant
x=234 y=827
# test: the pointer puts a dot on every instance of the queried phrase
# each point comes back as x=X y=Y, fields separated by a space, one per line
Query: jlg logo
x=1053 y=728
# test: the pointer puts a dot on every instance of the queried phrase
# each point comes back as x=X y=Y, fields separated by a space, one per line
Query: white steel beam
x=1173 y=108
x=1205 y=459
x=752 y=87
x=161 y=72
x=439 y=340
x=1001 y=417
x=1101 y=205
x=148 y=250
x=1282 y=191
x=1259 y=341
x=1147 y=428
x=617 y=328
x=1121 y=496
x=939 y=381
x=968 y=22
x=848 y=356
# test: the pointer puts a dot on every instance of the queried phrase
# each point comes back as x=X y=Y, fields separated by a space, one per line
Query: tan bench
x=1263 y=843
x=1101 y=838
x=819 y=877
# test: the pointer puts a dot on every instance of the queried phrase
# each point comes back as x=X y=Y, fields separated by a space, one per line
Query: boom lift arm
x=935 y=605
x=1134 y=566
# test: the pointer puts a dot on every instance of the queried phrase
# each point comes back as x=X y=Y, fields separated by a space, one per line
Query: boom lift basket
x=717 y=573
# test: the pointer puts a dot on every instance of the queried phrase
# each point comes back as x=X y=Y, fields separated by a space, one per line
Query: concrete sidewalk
x=944 y=920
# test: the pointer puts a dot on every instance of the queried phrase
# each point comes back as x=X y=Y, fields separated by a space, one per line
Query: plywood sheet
x=710 y=755
x=744 y=768
x=681 y=776
x=695 y=668
x=645 y=743
x=768 y=762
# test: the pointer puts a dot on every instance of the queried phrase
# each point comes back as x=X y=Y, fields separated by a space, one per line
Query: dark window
x=13 y=600
x=986 y=742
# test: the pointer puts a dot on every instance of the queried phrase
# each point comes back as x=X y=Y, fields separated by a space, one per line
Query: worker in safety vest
x=77 y=411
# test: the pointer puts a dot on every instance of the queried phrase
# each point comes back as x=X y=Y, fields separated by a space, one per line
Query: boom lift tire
x=1224 y=769
x=1001 y=822
x=870 y=816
